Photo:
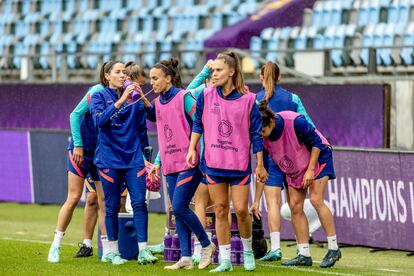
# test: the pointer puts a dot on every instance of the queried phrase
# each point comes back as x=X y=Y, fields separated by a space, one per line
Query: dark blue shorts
x=278 y=179
x=87 y=167
x=239 y=180
x=91 y=188
x=276 y=176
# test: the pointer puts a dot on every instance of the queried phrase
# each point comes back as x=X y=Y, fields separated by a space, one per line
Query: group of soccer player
x=206 y=133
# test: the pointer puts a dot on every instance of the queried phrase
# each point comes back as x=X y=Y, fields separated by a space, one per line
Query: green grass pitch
x=26 y=232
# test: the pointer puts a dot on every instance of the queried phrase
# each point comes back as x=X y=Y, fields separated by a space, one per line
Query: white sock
x=332 y=243
x=113 y=247
x=57 y=240
x=247 y=244
x=105 y=245
x=225 y=251
x=197 y=248
x=209 y=235
x=87 y=242
x=142 y=245
x=275 y=240
x=185 y=259
x=304 y=249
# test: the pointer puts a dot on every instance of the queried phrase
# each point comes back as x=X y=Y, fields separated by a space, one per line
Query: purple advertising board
x=15 y=180
x=372 y=199
x=349 y=115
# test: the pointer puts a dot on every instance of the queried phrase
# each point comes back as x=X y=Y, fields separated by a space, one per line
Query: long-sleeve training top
x=283 y=100
x=122 y=133
x=81 y=124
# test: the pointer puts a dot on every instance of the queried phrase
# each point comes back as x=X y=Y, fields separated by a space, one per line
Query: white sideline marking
x=32 y=241
x=390 y=270
x=308 y=270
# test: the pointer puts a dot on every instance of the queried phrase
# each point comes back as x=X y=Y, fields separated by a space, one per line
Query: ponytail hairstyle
x=134 y=71
x=232 y=60
x=270 y=72
x=170 y=68
x=106 y=69
x=266 y=113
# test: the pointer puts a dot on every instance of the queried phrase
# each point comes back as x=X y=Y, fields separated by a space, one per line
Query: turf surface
x=26 y=232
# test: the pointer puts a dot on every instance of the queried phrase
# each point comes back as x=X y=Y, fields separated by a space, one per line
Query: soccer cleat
x=107 y=258
x=84 y=251
x=156 y=249
x=196 y=259
x=330 y=258
x=299 y=260
x=114 y=258
x=225 y=265
x=180 y=265
x=249 y=262
x=273 y=255
x=54 y=254
x=145 y=257
x=206 y=255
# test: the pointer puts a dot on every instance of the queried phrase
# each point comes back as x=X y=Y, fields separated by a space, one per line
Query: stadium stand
x=101 y=27
x=349 y=28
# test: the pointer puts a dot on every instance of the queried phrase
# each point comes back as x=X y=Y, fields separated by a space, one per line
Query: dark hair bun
x=174 y=62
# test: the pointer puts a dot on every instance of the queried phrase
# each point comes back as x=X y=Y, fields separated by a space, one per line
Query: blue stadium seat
x=300 y=42
x=393 y=11
x=165 y=46
x=217 y=21
x=44 y=59
x=407 y=52
x=190 y=58
x=131 y=48
x=367 y=41
x=255 y=45
x=267 y=33
x=273 y=44
x=363 y=15
x=317 y=15
x=148 y=25
x=150 y=55
x=319 y=42
x=72 y=60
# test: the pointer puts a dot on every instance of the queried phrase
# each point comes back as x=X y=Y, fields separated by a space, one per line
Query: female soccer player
x=229 y=119
x=174 y=110
x=305 y=157
x=278 y=99
x=81 y=151
x=119 y=156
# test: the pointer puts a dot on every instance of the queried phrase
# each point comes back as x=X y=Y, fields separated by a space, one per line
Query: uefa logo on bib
x=168 y=133
x=225 y=128
x=287 y=165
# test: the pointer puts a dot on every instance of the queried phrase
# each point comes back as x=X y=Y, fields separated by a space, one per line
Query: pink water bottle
x=135 y=95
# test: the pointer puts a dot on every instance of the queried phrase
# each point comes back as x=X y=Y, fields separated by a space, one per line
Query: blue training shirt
x=122 y=133
x=283 y=100
x=256 y=138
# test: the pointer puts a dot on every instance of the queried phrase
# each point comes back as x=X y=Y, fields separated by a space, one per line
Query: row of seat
x=100 y=27
x=150 y=51
x=271 y=41
x=326 y=13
